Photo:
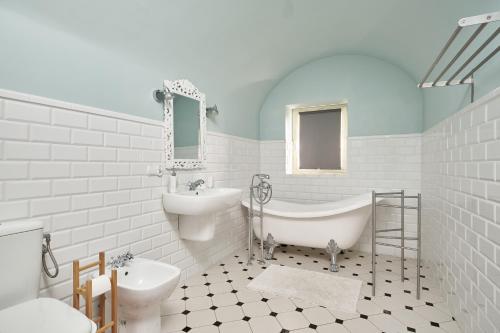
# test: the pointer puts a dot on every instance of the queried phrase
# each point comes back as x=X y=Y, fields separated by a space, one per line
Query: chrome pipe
x=262 y=260
x=402 y=235
x=397 y=206
x=459 y=53
x=261 y=192
x=441 y=53
x=472 y=89
x=397 y=237
x=388 y=230
x=468 y=61
x=381 y=194
x=485 y=60
x=396 y=246
x=419 y=245
x=374 y=228
x=250 y=228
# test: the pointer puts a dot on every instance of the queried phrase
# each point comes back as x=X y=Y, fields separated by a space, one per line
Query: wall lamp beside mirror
x=212 y=111
x=161 y=95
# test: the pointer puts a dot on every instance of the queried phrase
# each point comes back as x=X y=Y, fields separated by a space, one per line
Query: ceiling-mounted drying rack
x=468 y=78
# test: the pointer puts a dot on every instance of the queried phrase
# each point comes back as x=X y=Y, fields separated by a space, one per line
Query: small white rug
x=323 y=289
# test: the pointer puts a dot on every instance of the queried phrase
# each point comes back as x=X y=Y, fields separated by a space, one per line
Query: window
x=316 y=138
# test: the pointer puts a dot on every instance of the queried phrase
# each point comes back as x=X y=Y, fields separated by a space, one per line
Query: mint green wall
x=42 y=58
x=44 y=61
x=382 y=98
x=443 y=102
x=112 y=54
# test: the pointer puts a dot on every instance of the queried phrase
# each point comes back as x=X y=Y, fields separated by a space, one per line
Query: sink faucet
x=121 y=260
x=194 y=185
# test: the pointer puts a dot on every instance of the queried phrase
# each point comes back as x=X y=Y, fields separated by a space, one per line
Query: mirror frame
x=187 y=89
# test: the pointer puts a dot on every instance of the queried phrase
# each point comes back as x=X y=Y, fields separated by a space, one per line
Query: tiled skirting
x=389 y=162
x=461 y=200
x=83 y=172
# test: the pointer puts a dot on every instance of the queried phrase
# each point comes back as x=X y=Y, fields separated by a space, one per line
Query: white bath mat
x=333 y=292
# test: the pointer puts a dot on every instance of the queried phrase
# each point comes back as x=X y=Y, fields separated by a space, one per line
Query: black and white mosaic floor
x=218 y=300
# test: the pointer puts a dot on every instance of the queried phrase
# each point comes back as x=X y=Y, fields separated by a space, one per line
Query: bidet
x=142 y=285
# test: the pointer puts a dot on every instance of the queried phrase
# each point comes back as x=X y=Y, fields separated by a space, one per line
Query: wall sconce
x=212 y=110
x=161 y=96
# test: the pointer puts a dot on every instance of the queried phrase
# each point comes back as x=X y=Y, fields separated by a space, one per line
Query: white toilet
x=21 y=311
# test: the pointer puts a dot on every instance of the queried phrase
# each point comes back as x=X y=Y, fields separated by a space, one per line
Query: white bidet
x=142 y=285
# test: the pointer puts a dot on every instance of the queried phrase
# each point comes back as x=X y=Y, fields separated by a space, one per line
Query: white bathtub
x=314 y=225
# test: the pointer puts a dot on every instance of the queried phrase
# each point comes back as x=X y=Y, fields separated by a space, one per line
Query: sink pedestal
x=197 y=227
x=197 y=210
x=140 y=319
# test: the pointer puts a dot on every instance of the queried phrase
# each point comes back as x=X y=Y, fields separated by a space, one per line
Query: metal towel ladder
x=396 y=195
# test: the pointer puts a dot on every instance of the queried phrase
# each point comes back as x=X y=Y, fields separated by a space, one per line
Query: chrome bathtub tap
x=194 y=185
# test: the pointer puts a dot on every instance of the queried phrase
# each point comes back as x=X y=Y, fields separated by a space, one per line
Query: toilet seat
x=44 y=315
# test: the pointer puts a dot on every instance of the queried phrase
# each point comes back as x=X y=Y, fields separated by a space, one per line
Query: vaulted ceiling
x=241 y=48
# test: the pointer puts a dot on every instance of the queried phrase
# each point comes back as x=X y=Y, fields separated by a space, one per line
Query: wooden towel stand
x=85 y=290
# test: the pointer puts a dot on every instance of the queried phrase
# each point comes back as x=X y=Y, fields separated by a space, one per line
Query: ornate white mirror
x=185 y=125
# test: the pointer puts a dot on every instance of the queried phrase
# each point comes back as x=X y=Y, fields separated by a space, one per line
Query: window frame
x=293 y=137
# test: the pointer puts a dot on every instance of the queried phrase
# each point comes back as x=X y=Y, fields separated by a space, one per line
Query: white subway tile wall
x=378 y=163
x=461 y=187
x=85 y=176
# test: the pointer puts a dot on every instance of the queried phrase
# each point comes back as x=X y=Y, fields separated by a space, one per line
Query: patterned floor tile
x=218 y=300
x=240 y=326
x=198 y=303
x=361 y=325
x=318 y=315
x=200 y=318
x=229 y=313
x=267 y=324
x=281 y=304
x=256 y=309
x=292 y=320
x=387 y=323
x=332 y=328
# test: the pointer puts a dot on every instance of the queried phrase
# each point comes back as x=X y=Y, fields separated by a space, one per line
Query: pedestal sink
x=197 y=209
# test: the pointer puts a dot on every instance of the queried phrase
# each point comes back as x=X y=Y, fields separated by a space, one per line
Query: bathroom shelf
x=481 y=21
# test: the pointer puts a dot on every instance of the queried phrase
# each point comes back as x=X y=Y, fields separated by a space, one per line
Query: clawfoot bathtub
x=334 y=225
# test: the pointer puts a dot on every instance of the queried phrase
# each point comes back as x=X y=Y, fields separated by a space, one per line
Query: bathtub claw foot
x=270 y=244
x=333 y=249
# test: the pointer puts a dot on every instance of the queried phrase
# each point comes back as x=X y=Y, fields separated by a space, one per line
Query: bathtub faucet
x=260 y=191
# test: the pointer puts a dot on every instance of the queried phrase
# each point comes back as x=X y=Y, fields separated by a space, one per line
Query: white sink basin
x=142 y=285
x=196 y=210
x=201 y=202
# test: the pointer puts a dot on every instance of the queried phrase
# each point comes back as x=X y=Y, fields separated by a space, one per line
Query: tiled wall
x=461 y=196
x=84 y=174
x=373 y=163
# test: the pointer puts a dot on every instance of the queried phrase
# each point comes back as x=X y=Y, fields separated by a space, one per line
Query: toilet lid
x=44 y=315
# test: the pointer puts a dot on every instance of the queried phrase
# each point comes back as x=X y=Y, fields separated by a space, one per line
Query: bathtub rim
x=315 y=210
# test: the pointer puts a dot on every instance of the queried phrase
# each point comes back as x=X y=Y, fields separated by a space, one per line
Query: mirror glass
x=186 y=127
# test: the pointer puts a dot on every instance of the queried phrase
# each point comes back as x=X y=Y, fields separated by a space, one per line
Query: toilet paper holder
x=96 y=287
